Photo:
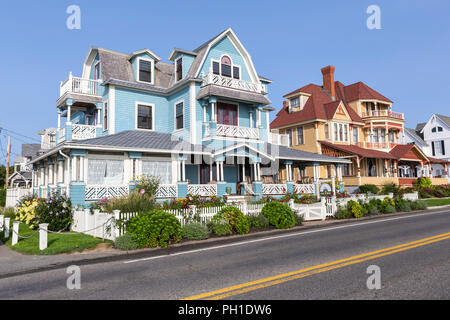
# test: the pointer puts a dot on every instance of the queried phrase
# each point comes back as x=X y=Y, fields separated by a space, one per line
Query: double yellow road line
x=281 y=278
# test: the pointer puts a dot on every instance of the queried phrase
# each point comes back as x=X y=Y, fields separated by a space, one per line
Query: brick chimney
x=328 y=80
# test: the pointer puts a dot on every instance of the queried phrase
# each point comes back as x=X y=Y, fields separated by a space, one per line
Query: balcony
x=78 y=85
x=76 y=132
x=224 y=130
x=383 y=113
x=222 y=81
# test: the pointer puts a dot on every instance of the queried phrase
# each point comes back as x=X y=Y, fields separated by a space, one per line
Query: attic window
x=437 y=129
x=295 y=103
x=226 y=68
x=97 y=71
x=145 y=70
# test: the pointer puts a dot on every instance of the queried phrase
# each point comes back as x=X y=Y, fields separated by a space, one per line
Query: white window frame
x=232 y=66
x=146 y=104
x=99 y=70
x=152 y=68
x=175 y=116
x=303 y=135
x=105 y=110
x=295 y=106
x=345 y=132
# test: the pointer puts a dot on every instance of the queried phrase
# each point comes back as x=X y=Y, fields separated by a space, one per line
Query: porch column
x=59 y=119
x=386 y=171
x=243 y=172
x=60 y=171
x=316 y=171
x=445 y=170
x=250 y=113
x=50 y=172
x=73 y=163
x=69 y=112
x=213 y=111
x=395 y=169
x=358 y=167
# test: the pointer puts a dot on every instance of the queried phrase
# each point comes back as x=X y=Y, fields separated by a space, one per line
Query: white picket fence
x=102 y=225
x=14 y=195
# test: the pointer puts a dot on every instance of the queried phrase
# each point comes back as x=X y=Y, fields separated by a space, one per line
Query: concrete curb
x=211 y=242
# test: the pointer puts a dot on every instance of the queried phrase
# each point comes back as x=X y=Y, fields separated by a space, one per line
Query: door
x=227 y=114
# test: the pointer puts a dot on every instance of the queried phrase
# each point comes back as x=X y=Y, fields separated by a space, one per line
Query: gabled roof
x=319 y=106
x=444 y=119
x=148 y=51
x=359 y=91
x=420 y=126
x=402 y=151
x=30 y=149
x=416 y=136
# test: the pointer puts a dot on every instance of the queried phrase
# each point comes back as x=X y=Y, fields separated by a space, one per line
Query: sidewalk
x=13 y=263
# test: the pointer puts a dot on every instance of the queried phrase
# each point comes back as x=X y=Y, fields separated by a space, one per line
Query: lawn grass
x=437 y=202
x=57 y=243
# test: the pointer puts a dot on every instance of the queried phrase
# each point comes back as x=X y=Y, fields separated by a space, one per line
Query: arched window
x=437 y=129
x=226 y=68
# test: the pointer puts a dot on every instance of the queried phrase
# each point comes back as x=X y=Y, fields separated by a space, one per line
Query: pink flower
x=142 y=191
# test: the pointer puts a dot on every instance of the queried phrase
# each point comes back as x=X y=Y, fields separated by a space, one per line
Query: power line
x=18 y=134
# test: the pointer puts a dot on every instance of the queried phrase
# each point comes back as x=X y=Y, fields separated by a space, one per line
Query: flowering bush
x=56 y=210
x=147 y=185
x=303 y=198
x=190 y=200
x=26 y=213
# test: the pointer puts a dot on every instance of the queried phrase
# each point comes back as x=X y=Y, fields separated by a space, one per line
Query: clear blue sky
x=407 y=60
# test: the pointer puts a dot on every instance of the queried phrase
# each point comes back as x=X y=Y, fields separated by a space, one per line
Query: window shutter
x=216 y=67
x=443 y=147
x=432 y=147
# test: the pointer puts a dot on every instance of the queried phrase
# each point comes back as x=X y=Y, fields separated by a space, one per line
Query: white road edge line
x=279 y=237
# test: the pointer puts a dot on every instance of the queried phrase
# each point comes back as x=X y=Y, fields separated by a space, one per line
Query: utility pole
x=7 y=162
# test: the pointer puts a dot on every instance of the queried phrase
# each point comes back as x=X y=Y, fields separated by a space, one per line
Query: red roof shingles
x=362 y=152
x=320 y=105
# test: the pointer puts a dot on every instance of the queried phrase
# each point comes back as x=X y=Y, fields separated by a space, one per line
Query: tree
x=3 y=174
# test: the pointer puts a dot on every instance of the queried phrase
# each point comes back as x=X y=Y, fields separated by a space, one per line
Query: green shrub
x=343 y=213
x=125 y=243
x=422 y=183
x=421 y=205
x=9 y=213
x=56 y=210
x=369 y=188
x=220 y=227
x=390 y=209
x=258 y=222
x=372 y=209
x=403 y=206
x=195 y=231
x=155 y=228
x=391 y=188
x=356 y=209
x=235 y=218
x=279 y=215
x=133 y=202
x=298 y=220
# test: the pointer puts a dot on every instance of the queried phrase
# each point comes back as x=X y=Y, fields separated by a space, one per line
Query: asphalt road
x=411 y=251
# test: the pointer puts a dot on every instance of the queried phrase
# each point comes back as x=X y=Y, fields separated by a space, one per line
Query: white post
x=15 y=234
x=244 y=208
x=221 y=171
x=333 y=185
x=2 y=222
x=74 y=168
x=116 y=231
x=183 y=164
x=6 y=234
x=81 y=159
x=59 y=119
x=43 y=228
x=69 y=111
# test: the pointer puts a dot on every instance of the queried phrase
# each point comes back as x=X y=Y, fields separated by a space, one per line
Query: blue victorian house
x=200 y=123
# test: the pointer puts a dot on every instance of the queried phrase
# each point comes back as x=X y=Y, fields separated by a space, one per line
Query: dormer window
x=226 y=68
x=295 y=103
x=145 y=71
x=179 y=68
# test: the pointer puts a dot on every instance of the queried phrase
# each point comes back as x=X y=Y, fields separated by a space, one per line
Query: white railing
x=166 y=191
x=279 y=139
x=237 y=132
x=93 y=193
x=304 y=188
x=274 y=189
x=219 y=80
x=315 y=211
x=14 y=195
x=83 y=131
x=79 y=86
x=203 y=190
x=383 y=113
x=61 y=134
